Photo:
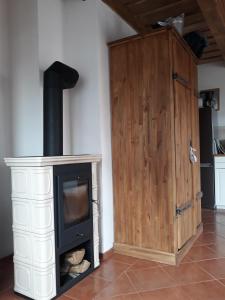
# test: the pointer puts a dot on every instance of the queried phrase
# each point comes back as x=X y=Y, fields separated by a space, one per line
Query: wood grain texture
x=183 y=164
x=196 y=182
x=214 y=13
x=187 y=133
x=148 y=254
x=159 y=256
x=142 y=14
x=121 y=10
x=142 y=128
x=151 y=134
x=181 y=60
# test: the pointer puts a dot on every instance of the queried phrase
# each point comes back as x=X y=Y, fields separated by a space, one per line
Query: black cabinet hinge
x=180 y=210
x=180 y=79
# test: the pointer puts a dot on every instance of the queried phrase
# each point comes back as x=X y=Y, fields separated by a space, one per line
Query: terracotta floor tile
x=216 y=228
x=122 y=277
x=64 y=297
x=126 y=297
x=118 y=287
x=218 y=248
x=144 y=264
x=6 y=276
x=215 y=267
x=166 y=294
x=7 y=260
x=188 y=273
x=133 y=296
x=150 y=279
x=222 y=281
x=210 y=227
x=200 y=253
x=209 y=238
x=124 y=258
x=185 y=260
x=211 y=290
x=10 y=295
x=220 y=230
x=209 y=219
x=110 y=270
x=87 y=288
x=220 y=217
x=207 y=210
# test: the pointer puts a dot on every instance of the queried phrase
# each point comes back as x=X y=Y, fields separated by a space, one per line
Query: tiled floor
x=201 y=275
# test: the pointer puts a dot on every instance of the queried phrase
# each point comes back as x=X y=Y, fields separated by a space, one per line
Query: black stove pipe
x=56 y=78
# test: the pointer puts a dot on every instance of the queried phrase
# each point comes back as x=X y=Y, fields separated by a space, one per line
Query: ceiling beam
x=195 y=27
x=210 y=60
x=124 y=13
x=170 y=10
x=214 y=13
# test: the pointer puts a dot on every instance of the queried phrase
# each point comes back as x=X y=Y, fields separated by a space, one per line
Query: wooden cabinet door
x=196 y=145
x=143 y=143
x=181 y=64
x=183 y=165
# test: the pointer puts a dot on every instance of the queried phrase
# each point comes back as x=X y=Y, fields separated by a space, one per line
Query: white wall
x=80 y=52
x=5 y=133
x=88 y=26
x=27 y=105
x=50 y=41
x=213 y=76
x=110 y=28
x=75 y=32
x=36 y=42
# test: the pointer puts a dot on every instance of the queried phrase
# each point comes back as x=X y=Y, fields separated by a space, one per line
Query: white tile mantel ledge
x=42 y=161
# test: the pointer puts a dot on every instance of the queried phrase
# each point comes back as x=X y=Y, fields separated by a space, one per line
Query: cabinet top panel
x=170 y=30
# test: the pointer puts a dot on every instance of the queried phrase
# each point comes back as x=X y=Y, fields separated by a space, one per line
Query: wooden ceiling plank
x=212 y=47
x=195 y=27
x=193 y=18
x=210 y=60
x=212 y=54
x=214 y=13
x=170 y=10
x=126 y=15
x=141 y=7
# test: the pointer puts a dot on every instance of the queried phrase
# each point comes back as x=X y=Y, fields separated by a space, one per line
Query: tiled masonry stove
x=55 y=205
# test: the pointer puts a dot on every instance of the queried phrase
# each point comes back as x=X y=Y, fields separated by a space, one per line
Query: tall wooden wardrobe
x=157 y=196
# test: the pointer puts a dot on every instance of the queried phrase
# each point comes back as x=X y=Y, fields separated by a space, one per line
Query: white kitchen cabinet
x=220 y=181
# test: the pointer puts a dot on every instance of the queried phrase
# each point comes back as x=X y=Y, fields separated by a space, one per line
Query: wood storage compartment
x=152 y=101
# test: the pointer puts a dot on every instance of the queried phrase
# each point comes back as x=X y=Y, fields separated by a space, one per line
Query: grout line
x=208 y=272
x=69 y=297
x=131 y=282
x=194 y=282
x=118 y=261
x=223 y=284
x=121 y=294
x=117 y=295
x=176 y=286
x=100 y=277
x=114 y=278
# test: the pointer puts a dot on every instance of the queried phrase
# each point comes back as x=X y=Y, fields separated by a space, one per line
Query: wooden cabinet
x=154 y=122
